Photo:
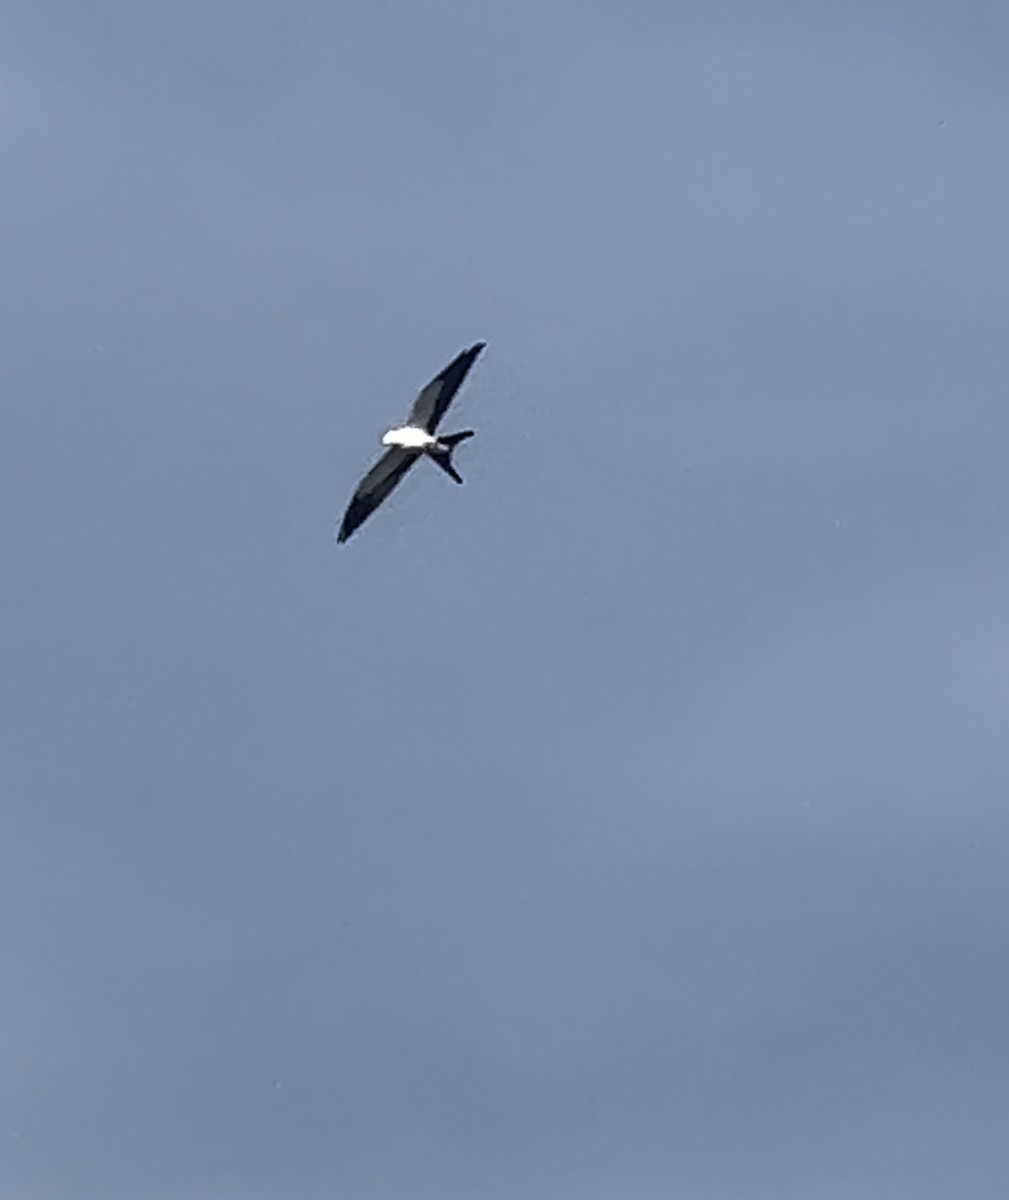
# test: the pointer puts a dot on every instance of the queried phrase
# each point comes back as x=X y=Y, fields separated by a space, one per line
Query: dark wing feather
x=375 y=486
x=433 y=401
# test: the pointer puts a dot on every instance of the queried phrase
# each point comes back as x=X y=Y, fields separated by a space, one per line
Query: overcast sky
x=628 y=823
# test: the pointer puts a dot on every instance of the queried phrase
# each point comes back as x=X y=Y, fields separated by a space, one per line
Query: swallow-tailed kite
x=412 y=440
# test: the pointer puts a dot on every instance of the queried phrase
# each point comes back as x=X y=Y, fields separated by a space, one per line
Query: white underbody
x=409 y=437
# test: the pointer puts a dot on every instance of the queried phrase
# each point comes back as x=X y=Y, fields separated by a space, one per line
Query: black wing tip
x=352 y=521
x=468 y=356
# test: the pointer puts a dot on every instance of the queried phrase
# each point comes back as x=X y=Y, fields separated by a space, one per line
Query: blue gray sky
x=630 y=822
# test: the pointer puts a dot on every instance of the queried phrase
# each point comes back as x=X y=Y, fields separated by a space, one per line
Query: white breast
x=409 y=437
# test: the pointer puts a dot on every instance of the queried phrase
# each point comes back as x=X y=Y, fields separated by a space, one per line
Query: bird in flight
x=408 y=443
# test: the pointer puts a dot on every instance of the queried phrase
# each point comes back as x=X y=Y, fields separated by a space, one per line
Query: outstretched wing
x=432 y=403
x=374 y=488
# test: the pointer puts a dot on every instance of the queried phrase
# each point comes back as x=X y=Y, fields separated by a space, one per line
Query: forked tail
x=453 y=439
x=442 y=455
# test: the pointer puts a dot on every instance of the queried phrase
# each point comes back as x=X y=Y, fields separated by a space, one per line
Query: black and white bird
x=417 y=438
